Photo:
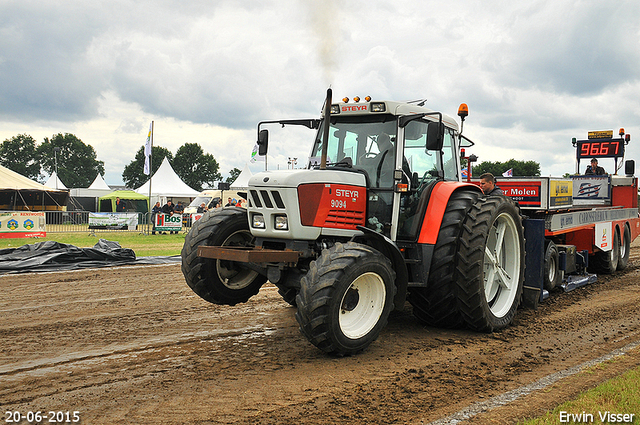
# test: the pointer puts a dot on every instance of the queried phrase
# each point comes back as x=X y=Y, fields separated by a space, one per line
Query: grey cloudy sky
x=534 y=73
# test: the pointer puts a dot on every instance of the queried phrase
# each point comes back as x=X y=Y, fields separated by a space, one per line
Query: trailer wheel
x=220 y=281
x=490 y=270
x=606 y=261
x=552 y=273
x=436 y=304
x=625 y=248
x=345 y=298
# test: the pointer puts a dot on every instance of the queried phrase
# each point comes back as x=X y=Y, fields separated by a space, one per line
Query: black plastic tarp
x=56 y=256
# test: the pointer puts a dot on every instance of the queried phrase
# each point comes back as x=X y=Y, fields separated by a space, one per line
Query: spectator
x=168 y=209
x=230 y=203
x=488 y=185
x=179 y=208
x=120 y=205
x=594 y=169
x=202 y=208
x=156 y=209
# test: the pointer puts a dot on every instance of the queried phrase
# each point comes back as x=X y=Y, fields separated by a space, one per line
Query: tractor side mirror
x=435 y=133
x=263 y=142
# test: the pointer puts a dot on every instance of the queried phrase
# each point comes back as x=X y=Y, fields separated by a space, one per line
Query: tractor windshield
x=367 y=142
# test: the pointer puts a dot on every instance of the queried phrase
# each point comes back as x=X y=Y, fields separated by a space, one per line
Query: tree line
x=78 y=165
x=497 y=168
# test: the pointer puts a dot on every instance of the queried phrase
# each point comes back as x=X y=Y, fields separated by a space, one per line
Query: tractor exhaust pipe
x=325 y=133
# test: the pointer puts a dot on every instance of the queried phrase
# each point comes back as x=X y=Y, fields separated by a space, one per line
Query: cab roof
x=389 y=107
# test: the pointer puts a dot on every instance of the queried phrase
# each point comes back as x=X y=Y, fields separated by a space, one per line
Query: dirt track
x=135 y=345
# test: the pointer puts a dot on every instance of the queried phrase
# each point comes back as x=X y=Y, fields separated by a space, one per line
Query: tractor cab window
x=427 y=166
x=366 y=142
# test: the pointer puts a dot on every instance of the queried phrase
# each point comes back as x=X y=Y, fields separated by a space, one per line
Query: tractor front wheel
x=345 y=298
x=220 y=281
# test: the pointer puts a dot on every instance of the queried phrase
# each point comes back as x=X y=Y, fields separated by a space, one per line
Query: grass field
x=142 y=245
x=619 y=397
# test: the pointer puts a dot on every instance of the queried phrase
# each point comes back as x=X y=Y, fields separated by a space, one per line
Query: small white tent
x=242 y=181
x=88 y=199
x=165 y=184
x=55 y=183
x=99 y=183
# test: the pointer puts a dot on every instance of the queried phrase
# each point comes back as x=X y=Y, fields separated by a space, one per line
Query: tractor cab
x=400 y=148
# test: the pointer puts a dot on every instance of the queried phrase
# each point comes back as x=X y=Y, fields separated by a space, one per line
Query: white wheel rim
x=623 y=245
x=362 y=305
x=552 y=269
x=615 y=252
x=502 y=265
x=229 y=273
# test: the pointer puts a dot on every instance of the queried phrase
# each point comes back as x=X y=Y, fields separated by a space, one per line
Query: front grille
x=267 y=198
x=342 y=218
x=256 y=199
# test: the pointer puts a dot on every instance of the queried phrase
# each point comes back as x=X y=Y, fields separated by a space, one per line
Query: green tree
x=520 y=168
x=77 y=163
x=133 y=174
x=19 y=154
x=196 y=168
x=233 y=175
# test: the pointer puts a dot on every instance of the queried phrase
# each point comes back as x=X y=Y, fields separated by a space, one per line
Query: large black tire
x=345 y=298
x=490 y=264
x=606 y=261
x=625 y=248
x=552 y=272
x=436 y=304
x=219 y=281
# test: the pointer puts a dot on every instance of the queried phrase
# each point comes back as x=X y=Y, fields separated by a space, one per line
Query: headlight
x=282 y=222
x=258 y=221
x=378 y=107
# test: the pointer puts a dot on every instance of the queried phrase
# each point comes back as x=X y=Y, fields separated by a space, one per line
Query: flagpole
x=150 y=170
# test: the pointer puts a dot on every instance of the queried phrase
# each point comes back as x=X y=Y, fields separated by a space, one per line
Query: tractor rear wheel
x=345 y=298
x=220 y=281
x=490 y=264
x=436 y=304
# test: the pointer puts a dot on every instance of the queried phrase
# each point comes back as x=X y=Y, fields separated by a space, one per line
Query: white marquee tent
x=89 y=197
x=242 y=181
x=17 y=192
x=54 y=182
x=99 y=183
x=166 y=185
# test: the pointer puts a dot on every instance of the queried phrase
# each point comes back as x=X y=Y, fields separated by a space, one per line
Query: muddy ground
x=134 y=345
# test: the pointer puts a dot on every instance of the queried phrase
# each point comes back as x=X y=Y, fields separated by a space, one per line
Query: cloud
x=533 y=74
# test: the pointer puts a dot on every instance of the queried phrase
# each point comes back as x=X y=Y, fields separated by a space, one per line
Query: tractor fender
x=389 y=249
x=435 y=209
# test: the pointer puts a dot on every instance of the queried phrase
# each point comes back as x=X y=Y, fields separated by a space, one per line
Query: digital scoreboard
x=600 y=148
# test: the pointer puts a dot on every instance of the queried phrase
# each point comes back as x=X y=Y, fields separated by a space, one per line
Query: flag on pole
x=147 y=151
x=465 y=173
x=255 y=156
x=508 y=173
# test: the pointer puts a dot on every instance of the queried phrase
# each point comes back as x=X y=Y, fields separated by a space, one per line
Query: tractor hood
x=294 y=178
